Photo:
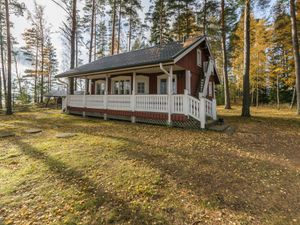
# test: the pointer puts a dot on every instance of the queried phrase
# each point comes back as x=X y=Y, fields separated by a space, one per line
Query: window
x=141 y=88
x=162 y=84
x=142 y=84
x=100 y=87
x=121 y=86
x=199 y=57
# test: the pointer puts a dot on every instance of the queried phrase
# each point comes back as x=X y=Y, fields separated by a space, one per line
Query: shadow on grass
x=95 y=193
x=225 y=182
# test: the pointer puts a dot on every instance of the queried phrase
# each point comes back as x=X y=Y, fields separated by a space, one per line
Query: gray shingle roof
x=147 y=56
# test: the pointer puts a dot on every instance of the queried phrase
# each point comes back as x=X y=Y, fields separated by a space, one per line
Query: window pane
x=163 y=86
x=141 y=88
x=174 y=86
x=126 y=87
x=102 y=92
x=116 y=87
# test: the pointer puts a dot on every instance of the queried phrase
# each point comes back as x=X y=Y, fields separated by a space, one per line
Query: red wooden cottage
x=170 y=84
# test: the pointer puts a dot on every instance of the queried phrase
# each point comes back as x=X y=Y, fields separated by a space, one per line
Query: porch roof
x=143 y=57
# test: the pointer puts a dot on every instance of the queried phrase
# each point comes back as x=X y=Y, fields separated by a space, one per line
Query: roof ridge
x=141 y=49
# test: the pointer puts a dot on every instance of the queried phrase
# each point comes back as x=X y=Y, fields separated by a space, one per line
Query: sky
x=54 y=16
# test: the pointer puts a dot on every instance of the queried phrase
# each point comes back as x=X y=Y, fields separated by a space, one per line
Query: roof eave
x=115 y=69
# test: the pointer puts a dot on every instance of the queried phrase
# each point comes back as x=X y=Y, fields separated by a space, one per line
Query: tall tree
x=73 y=40
x=114 y=21
x=133 y=21
x=296 y=51
x=159 y=16
x=9 y=61
x=246 y=80
x=225 y=62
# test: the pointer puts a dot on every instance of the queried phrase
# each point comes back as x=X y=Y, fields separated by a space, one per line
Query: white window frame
x=120 y=78
x=142 y=79
x=100 y=82
x=165 y=76
x=199 y=57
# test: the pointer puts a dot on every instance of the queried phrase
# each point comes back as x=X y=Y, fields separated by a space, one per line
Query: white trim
x=188 y=79
x=165 y=76
x=120 y=78
x=112 y=72
x=99 y=82
x=210 y=52
x=199 y=57
x=142 y=79
x=189 y=49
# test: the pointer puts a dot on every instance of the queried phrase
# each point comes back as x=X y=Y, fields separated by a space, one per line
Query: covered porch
x=163 y=92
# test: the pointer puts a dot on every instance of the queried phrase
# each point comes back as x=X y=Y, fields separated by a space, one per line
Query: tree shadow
x=228 y=181
x=126 y=212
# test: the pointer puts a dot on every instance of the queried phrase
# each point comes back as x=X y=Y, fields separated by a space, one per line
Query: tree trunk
x=293 y=98
x=257 y=79
x=204 y=17
x=296 y=51
x=160 y=23
x=42 y=67
x=257 y=91
x=95 y=35
x=17 y=74
x=36 y=72
x=3 y=78
x=277 y=92
x=225 y=71
x=92 y=32
x=8 y=104
x=91 y=42
x=130 y=31
x=119 y=27
x=73 y=40
x=246 y=80
x=113 y=28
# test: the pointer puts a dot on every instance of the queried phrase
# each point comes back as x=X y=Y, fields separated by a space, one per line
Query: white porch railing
x=151 y=103
x=118 y=102
x=199 y=109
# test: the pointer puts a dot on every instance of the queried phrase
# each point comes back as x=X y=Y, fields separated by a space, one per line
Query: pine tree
x=296 y=50
x=281 y=56
x=184 y=17
x=40 y=31
x=133 y=19
x=9 y=60
x=159 y=16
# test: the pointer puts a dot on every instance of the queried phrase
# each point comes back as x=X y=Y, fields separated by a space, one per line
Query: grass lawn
x=121 y=173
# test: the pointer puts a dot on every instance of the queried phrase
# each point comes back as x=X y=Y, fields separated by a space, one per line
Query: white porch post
x=84 y=104
x=132 y=99
x=186 y=102
x=105 y=96
x=188 y=76
x=90 y=87
x=214 y=109
x=202 y=112
x=170 y=91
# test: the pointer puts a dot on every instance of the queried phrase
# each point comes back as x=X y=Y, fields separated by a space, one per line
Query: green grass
x=121 y=173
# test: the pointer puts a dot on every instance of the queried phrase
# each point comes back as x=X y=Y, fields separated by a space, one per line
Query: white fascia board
x=189 y=49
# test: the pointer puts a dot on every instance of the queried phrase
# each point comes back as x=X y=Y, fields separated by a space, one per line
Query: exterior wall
x=189 y=62
x=152 y=82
